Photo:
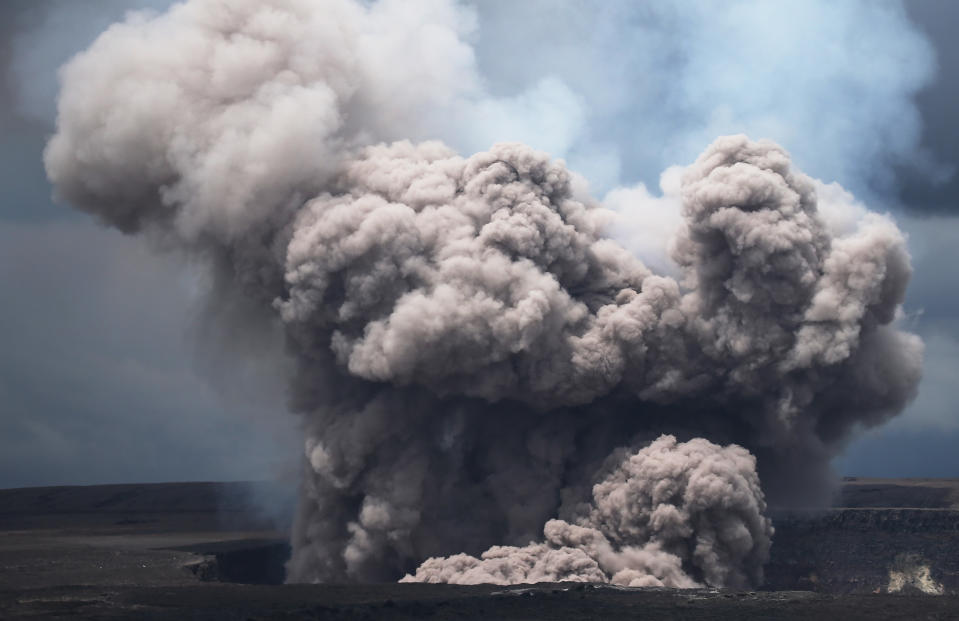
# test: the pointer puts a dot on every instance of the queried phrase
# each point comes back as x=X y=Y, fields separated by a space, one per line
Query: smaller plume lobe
x=671 y=515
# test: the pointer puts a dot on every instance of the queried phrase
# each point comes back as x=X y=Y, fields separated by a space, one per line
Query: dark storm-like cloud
x=930 y=182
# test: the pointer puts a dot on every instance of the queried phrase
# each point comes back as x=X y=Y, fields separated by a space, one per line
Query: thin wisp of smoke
x=474 y=353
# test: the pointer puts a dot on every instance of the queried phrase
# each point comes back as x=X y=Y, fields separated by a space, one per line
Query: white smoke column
x=836 y=81
x=469 y=346
x=673 y=514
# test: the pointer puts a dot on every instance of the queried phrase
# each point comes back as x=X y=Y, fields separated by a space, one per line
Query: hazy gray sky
x=103 y=379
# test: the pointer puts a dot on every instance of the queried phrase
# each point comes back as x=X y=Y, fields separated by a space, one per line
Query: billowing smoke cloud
x=469 y=343
x=668 y=509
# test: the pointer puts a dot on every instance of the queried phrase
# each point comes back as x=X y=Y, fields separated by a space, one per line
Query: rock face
x=885 y=535
x=866 y=550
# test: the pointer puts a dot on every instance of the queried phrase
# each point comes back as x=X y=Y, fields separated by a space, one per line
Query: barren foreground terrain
x=890 y=549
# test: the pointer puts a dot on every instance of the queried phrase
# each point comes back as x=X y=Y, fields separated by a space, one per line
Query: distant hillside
x=859 y=492
x=245 y=496
x=213 y=506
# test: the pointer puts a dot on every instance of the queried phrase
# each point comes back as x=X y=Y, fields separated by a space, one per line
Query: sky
x=103 y=373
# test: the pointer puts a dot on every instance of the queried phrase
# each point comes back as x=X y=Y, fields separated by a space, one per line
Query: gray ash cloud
x=473 y=352
x=673 y=514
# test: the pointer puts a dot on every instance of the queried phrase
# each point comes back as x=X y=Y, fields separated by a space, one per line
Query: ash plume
x=473 y=353
x=669 y=508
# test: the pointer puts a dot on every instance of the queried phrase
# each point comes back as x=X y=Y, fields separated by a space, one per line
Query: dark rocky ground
x=203 y=551
x=486 y=603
